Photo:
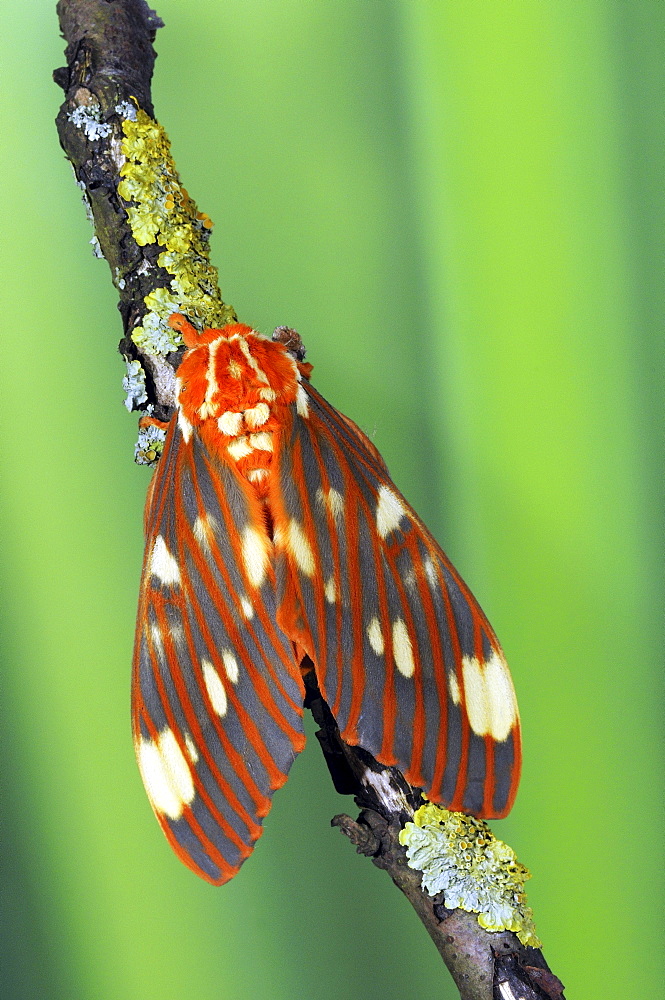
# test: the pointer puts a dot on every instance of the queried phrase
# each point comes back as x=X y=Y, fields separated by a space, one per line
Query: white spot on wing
x=254 y=555
x=157 y=640
x=430 y=572
x=166 y=774
x=268 y=394
x=301 y=549
x=375 y=636
x=330 y=590
x=402 y=650
x=453 y=686
x=214 y=687
x=230 y=423
x=184 y=425
x=389 y=511
x=204 y=529
x=333 y=500
x=302 y=404
x=230 y=665
x=247 y=608
x=489 y=696
x=191 y=749
x=162 y=563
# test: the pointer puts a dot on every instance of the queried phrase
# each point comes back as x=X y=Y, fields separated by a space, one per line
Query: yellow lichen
x=161 y=211
x=460 y=857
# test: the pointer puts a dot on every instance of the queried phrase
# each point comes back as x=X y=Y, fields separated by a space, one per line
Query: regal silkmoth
x=276 y=538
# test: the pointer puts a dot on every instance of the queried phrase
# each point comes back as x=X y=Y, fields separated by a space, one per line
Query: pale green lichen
x=88 y=118
x=149 y=445
x=94 y=242
x=126 y=110
x=133 y=385
x=460 y=857
x=160 y=211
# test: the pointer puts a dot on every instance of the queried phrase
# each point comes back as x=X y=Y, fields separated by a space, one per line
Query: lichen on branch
x=460 y=857
x=146 y=225
x=160 y=210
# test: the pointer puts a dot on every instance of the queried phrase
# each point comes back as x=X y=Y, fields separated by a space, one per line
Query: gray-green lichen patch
x=94 y=242
x=149 y=444
x=133 y=385
x=88 y=118
x=460 y=857
x=126 y=110
x=160 y=211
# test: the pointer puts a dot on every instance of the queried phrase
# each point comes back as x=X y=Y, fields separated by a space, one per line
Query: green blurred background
x=459 y=206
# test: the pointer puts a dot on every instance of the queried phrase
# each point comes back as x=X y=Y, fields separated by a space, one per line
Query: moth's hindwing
x=404 y=655
x=217 y=694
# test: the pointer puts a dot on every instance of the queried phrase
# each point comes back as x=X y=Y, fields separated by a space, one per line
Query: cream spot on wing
x=239 y=448
x=157 y=640
x=300 y=548
x=184 y=425
x=166 y=774
x=230 y=423
x=257 y=415
x=302 y=403
x=389 y=511
x=254 y=555
x=230 y=665
x=489 y=696
x=330 y=590
x=191 y=749
x=410 y=579
x=162 y=563
x=268 y=394
x=204 y=530
x=261 y=441
x=431 y=573
x=247 y=608
x=234 y=369
x=331 y=499
x=375 y=636
x=177 y=634
x=453 y=687
x=244 y=347
x=402 y=650
x=256 y=475
x=214 y=687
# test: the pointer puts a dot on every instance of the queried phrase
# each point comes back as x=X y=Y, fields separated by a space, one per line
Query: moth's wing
x=404 y=655
x=217 y=694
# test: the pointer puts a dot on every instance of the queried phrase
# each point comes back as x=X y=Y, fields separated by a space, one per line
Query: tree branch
x=155 y=242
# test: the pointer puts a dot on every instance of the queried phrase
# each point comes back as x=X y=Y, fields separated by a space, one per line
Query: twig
x=157 y=253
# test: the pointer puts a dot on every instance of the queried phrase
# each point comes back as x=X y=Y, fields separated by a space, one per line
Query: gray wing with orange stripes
x=404 y=655
x=216 y=693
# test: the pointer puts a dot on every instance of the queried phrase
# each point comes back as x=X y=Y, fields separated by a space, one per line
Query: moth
x=276 y=542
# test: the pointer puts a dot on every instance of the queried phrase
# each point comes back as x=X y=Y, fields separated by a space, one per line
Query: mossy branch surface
x=155 y=241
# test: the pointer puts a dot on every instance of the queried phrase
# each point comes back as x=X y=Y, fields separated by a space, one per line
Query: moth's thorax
x=233 y=387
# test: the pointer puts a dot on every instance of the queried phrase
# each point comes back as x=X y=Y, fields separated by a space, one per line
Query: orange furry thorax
x=232 y=370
